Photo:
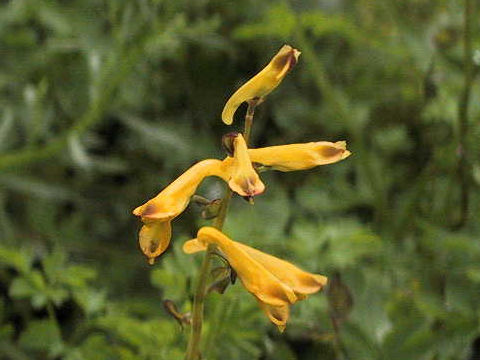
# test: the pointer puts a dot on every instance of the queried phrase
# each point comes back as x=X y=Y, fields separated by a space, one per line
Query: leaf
x=280 y=351
x=37 y=188
x=54 y=263
x=321 y=23
x=78 y=153
x=42 y=335
x=279 y=22
x=77 y=276
x=358 y=342
x=39 y=300
x=97 y=346
x=57 y=295
x=158 y=134
x=173 y=284
x=261 y=224
x=24 y=287
x=91 y=301
x=19 y=259
x=339 y=244
x=473 y=273
x=149 y=337
x=32 y=286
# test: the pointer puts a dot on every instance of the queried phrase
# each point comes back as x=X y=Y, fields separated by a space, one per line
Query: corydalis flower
x=157 y=213
x=300 y=156
x=297 y=156
x=262 y=83
x=275 y=283
x=244 y=179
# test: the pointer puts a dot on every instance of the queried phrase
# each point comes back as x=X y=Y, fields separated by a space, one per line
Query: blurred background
x=103 y=103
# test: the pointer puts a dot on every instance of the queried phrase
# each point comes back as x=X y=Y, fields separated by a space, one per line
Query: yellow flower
x=154 y=238
x=262 y=83
x=244 y=179
x=300 y=156
x=275 y=283
x=158 y=212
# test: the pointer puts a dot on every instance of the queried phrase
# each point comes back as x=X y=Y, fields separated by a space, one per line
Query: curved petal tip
x=193 y=246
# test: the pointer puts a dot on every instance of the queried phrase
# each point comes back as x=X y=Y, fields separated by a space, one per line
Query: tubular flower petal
x=256 y=279
x=244 y=179
x=271 y=280
x=278 y=315
x=300 y=156
x=158 y=212
x=262 y=83
x=301 y=282
x=154 y=238
x=193 y=246
x=173 y=200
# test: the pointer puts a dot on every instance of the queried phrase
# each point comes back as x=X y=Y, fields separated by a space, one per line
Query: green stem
x=193 y=349
x=53 y=317
x=463 y=112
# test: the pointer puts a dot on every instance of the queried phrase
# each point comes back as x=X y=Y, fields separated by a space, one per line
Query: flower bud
x=262 y=83
x=210 y=211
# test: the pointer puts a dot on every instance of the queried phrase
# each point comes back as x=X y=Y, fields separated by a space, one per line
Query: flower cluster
x=275 y=283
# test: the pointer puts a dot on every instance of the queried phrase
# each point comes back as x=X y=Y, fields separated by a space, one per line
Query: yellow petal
x=193 y=246
x=278 y=315
x=173 y=200
x=300 y=156
x=154 y=238
x=251 y=265
x=300 y=281
x=262 y=83
x=244 y=179
x=254 y=277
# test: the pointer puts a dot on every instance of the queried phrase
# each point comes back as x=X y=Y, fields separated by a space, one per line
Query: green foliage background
x=103 y=103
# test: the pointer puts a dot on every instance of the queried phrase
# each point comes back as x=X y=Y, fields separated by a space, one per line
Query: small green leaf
x=39 y=300
x=21 y=288
x=77 y=276
x=96 y=346
x=173 y=284
x=91 y=301
x=30 y=286
x=41 y=335
x=473 y=273
x=18 y=259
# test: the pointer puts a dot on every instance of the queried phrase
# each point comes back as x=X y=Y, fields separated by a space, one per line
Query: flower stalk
x=193 y=349
x=252 y=104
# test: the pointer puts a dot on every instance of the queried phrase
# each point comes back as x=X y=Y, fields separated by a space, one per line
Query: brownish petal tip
x=330 y=151
x=148 y=210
